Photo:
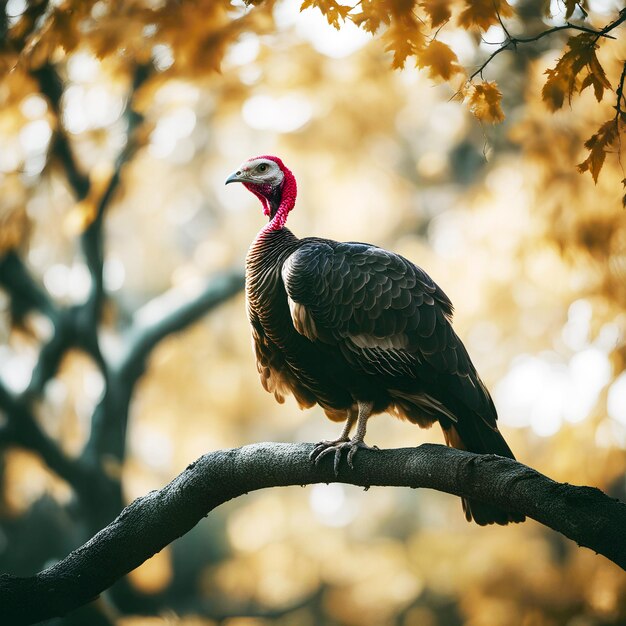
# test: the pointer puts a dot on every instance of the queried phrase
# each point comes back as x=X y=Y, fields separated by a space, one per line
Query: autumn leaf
x=440 y=59
x=438 y=11
x=331 y=10
x=400 y=7
x=564 y=78
x=372 y=15
x=558 y=84
x=484 y=102
x=404 y=39
x=598 y=145
x=598 y=85
x=484 y=13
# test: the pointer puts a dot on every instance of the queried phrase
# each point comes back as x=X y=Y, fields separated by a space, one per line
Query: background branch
x=23 y=429
x=145 y=337
x=148 y=524
x=26 y=294
x=92 y=238
x=109 y=423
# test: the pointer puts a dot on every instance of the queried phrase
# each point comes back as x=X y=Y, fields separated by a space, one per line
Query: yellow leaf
x=373 y=14
x=559 y=83
x=404 y=39
x=438 y=11
x=598 y=86
x=484 y=102
x=598 y=145
x=331 y=10
x=564 y=78
x=484 y=13
x=440 y=59
x=401 y=8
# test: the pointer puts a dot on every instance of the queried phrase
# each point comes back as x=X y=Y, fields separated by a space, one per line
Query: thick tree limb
x=584 y=514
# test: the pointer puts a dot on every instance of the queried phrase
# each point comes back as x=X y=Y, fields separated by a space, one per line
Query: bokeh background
x=171 y=97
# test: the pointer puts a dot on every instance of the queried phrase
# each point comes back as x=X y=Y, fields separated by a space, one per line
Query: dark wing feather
x=387 y=317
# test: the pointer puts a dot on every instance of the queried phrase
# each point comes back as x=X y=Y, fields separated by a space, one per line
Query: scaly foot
x=338 y=446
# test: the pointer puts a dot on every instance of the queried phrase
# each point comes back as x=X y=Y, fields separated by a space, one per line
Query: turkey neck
x=269 y=249
x=265 y=292
x=264 y=263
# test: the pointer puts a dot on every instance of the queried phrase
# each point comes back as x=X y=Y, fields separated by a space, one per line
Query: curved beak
x=235 y=177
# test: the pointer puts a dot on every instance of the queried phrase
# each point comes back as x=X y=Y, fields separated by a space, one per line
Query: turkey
x=359 y=330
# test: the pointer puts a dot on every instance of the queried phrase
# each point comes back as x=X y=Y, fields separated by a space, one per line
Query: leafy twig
x=512 y=42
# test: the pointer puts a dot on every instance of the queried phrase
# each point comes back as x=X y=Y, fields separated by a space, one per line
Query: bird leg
x=344 y=443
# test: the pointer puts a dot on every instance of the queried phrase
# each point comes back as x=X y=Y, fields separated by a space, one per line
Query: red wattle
x=288 y=196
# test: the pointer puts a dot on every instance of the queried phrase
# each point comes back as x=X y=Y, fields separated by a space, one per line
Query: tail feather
x=479 y=437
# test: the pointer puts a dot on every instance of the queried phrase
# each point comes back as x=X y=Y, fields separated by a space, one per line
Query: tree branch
x=511 y=42
x=147 y=525
x=51 y=86
x=108 y=428
x=23 y=429
x=92 y=238
x=144 y=337
x=25 y=292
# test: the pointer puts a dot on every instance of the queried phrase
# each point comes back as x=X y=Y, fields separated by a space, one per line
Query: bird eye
x=262 y=167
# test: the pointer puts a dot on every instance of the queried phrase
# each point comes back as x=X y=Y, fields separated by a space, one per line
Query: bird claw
x=338 y=446
x=325 y=447
x=354 y=446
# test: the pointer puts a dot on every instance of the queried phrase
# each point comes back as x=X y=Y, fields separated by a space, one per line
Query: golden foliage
x=484 y=102
x=439 y=11
x=405 y=39
x=598 y=145
x=373 y=14
x=565 y=78
x=408 y=33
x=440 y=59
x=334 y=12
x=61 y=30
x=484 y=13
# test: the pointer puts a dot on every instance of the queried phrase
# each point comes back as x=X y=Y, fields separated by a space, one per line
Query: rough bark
x=584 y=514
